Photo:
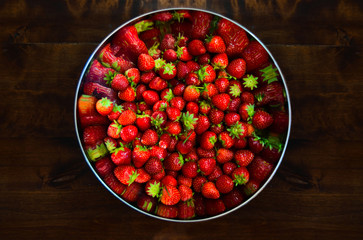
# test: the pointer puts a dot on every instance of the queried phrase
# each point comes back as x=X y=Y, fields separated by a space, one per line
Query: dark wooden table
x=47 y=190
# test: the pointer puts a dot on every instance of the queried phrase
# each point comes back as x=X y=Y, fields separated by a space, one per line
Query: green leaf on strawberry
x=188 y=120
x=143 y=26
x=269 y=74
x=235 y=90
x=159 y=63
x=109 y=77
x=250 y=82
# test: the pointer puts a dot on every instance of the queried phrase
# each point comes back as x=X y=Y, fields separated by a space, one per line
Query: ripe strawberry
x=204 y=107
x=115 y=113
x=247 y=97
x=203 y=153
x=208 y=140
x=224 y=184
x=149 y=138
x=132 y=192
x=173 y=128
x=126 y=174
x=216 y=116
x=240 y=143
x=166 y=211
x=217 y=128
x=203 y=124
x=251 y=187
x=128 y=95
x=182 y=70
x=209 y=90
x=198 y=182
x=246 y=111
x=209 y=190
x=93 y=134
x=121 y=156
x=222 y=84
x=201 y=22
x=146 y=77
x=168 y=42
x=114 y=130
x=158 y=84
x=206 y=165
x=183 y=180
x=234 y=104
x=238 y=131
x=119 y=82
x=215 y=44
x=280 y=123
x=204 y=59
x=229 y=167
x=142 y=176
x=127 y=117
x=244 y=157
x=143 y=122
x=186 y=210
x=231 y=118
x=240 y=176
x=186 y=192
x=236 y=68
x=190 y=169
x=114 y=184
x=162 y=16
x=207 y=74
x=270 y=94
x=224 y=155
x=86 y=105
x=262 y=119
x=184 y=146
x=174 y=162
x=167 y=71
x=158 y=152
x=145 y=62
x=221 y=101
x=169 y=195
x=233 y=198
x=183 y=54
x=133 y=75
x=104 y=166
x=220 y=61
x=140 y=155
x=260 y=169
x=109 y=60
x=147 y=203
x=189 y=121
x=150 y=97
x=216 y=173
x=255 y=55
x=192 y=79
x=193 y=108
x=153 y=165
x=226 y=140
x=196 y=47
x=191 y=93
x=159 y=119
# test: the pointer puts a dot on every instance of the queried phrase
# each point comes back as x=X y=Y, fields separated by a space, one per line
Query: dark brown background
x=47 y=190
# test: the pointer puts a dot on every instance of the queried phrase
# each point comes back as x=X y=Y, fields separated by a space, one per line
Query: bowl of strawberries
x=182 y=114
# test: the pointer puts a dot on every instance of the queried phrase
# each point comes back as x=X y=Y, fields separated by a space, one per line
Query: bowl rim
x=78 y=90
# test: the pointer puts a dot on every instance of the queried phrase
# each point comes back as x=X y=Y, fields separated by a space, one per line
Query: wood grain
x=48 y=191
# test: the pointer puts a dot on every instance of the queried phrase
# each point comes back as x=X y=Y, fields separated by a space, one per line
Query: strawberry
x=238 y=130
x=174 y=162
x=209 y=90
x=189 y=121
x=165 y=140
x=110 y=143
x=86 y=105
x=210 y=191
x=251 y=187
x=158 y=120
x=169 y=195
x=145 y=62
x=186 y=193
x=166 y=211
x=203 y=153
x=270 y=94
x=184 y=146
x=196 y=47
x=215 y=44
x=231 y=118
x=190 y=169
x=98 y=73
x=140 y=155
x=220 y=61
x=255 y=55
x=237 y=68
x=182 y=70
x=133 y=76
x=280 y=123
x=233 y=198
x=121 y=156
x=198 y=182
x=221 y=101
x=169 y=179
x=173 y=113
x=234 y=104
x=126 y=174
x=146 y=77
x=119 y=82
x=246 y=111
x=132 y=192
x=152 y=188
x=114 y=130
x=114 y=184
x=201 y=22
x=244 y=157
x=208 y=140
x=149 y=138
x=247 y=97
x=224 y=155
x=143 y=122
x=229 y=167
x=153 y=165
x=93 y=134
x=203 y=124
x=250 y=82
x=173 y=128
x=99 y=91
x=168 y=42
x=240 y=176
x=192 y=79
x=167 y=71
x=158 y=152
x=207 y=74
x=127 y=117
x=216 y=173
x=204 y=59
x=147 y=203
x=127 y=95
x=183 y=180
x=104 y=166
x=216 y=116
x=162 y=16
x=186 y=210
x=191 y=93
x=109 y=60
x=217 y=128
x=142 y=176
x=262 y=119
x=240 y=143
x=193 y=108
x=224 y=184
x=206 y=165
x=204 y=107
x=150 y=97
x=226 y=140
x=170 y=55
x=183 y=54
x=158 y=84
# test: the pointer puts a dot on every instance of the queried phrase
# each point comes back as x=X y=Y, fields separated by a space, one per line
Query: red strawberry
x=240 y=143
x=237 y=68
x=133 y=75
x=247 y=97
x=224 y=155
x=115 y=113
x=204 y=59
x=186 y=192
x=152 y=188
x=229 y=167
x=240 y=176
x=104 y=166
x=206 y=165
x=170 y=55
x=226 y=140
x=209 y=90
x=173 y=128
x=183 y=54
x=233 y=198
x=193 y=108
x=173 y=113
x=260 y=169
x=169 y=179
x=209 y=190
x=168 y=42
x=186 y=210
x=159 y=119
x=132 y=192
x=201 y=22
x=280 y=123
x=216 y=173
x=160 y=153
x=91 y=120
x=189 y=121
x=255 y=55
x=147 y=203
x=204 y=107
x=217 y=128
x=270 y=94
x=231 y=118
x=184 y=146
x=143 y=122
x=198 y=182
x=169 y=195
x=167 y=71
x=93 y=134
x=203 y=124
x=174 y=162
x=166 y=211
x=216 y=116
x=140 y=155
x=121 y=156
x=239 y=130
x=208 y=140
x=221 y=101
x=127 y=117
x=145 y=62
x=203 y=153
x=150 y=97
x=126 y=174
x=196 y=47
x=146 y=77
x=192 y=79
x=119 y=82
x=114 y=130
x=251 y=187
x=244 y=157
x=215 y=44
x=153 y=165
x=109 y=60
x=246 y=111
x=86 y=105
x=220 y=61
x=149 y=138
x=113 y=183
x=142 y=176
x=207 y=74
x=128 y=95
x=165 y=140
x=158 y=84
x=183 y=180
x=262 y=119
x=191 y=93
x=162 y=16
x=224 y=184
x=190 y=169
x=182 y=70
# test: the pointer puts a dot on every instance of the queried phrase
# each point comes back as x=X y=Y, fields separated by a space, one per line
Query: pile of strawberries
x=183 y=114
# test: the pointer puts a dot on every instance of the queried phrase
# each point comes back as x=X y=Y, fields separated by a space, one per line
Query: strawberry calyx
x=269 y=74
x=179 y=39
x=154 y=189
x=169 y=95
x=105 y=102
x=168 y=68
x=250 y=82
x=109 y=77
x=153 y=50
x=235 y=90
x=214 y=24
x=159 y=63
x=188 y=120
x=202 y=73
x=240 y=179
x=179 y=16
x=157 y=121
x=212 y=140
x=133 y=177
x=143 y=25
x=236 y=130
